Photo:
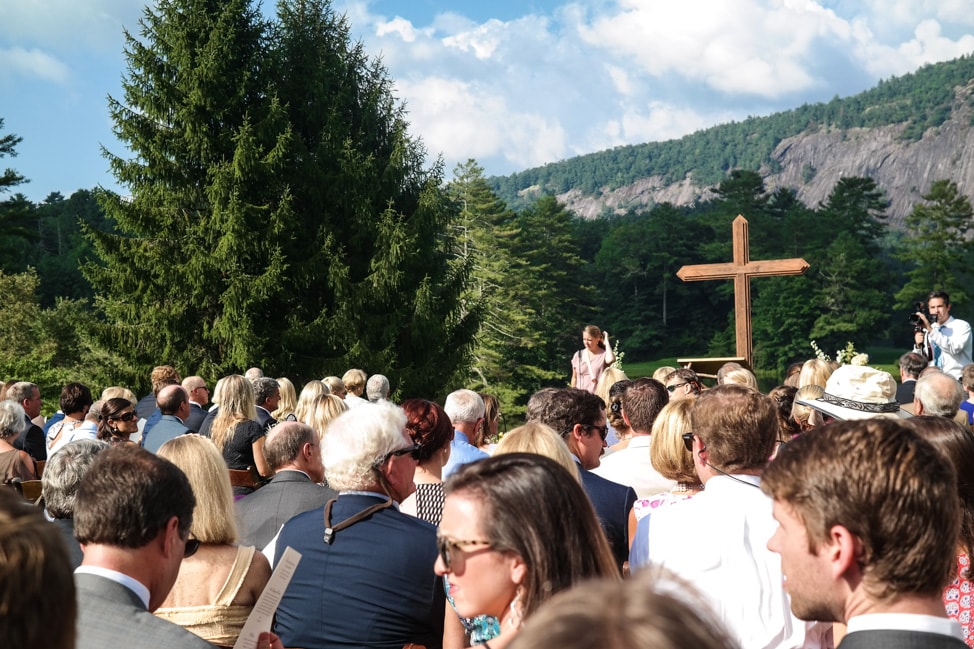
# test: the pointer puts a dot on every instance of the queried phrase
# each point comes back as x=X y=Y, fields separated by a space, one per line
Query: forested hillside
x=897 y=129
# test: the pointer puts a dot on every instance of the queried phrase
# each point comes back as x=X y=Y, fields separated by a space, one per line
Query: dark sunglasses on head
x=688 y=441
x=603 y=431
x=125 y=416
x=409 y=450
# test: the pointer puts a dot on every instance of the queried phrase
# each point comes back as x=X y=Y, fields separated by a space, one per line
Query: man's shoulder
x=899 y=639
x=596 y=485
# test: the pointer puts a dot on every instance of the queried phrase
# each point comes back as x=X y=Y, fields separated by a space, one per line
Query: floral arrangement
x=617 y=365
x=847 y=356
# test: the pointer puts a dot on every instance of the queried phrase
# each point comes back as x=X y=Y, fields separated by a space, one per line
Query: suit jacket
x=288 y=494
x=612 y=502
x=208 y=422
x=373 y=586
x=877 y=639
x=905 y=391
x=168 y=427
x=264 y=419
x=111 y=615
x=146 y=406
x=196 y=416
x=32 y=440
x=66 y=526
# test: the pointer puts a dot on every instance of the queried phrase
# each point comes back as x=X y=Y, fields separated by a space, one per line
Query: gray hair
x=940 y=394
x=464 y=405
x=377 y=387
x=357 y=440
x=13 y=419
x=21 y=390
x=63 y=473
x=284 y=442
x=263 y=388
x=253 y=374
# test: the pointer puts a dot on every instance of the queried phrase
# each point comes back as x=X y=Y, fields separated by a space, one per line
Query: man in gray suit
x=293 y=450
x=868 y=518
x=132 y=515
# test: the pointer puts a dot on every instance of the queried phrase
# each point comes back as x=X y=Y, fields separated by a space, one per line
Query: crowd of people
x=838 y=508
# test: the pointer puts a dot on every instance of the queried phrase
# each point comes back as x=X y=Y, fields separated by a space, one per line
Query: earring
x=515 y=620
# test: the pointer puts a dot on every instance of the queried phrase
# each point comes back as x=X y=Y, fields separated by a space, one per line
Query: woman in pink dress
x=589 y=363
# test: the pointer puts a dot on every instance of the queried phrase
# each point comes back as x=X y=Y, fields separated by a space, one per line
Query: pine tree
x=936 y=244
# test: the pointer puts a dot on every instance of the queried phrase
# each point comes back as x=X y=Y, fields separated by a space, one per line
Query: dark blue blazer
x=612 y=502
x=288 y=494
x=196 y=417
x=373 y=586
x=32 y=441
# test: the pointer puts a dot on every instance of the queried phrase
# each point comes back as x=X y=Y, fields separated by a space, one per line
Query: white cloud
x=482 y=41
x=32 y=64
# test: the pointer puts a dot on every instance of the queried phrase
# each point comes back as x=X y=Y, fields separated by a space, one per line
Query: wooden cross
x=742 y=269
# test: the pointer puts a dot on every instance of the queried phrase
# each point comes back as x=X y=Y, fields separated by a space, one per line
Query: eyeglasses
x=409 y=450
x=200 y=387
x=192 y=545
x=672 y=388
x=125 y=416
x=445 y=545
x=688 y=441
x=603 y=431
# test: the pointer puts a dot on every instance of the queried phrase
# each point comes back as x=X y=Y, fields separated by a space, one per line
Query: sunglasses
x=672 y=388
x=125 y=416
x=192 y=545
x=446 y=546
x=603 y=431
x=688 y=441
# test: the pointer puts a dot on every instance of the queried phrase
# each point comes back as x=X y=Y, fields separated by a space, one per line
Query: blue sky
x=511 y=84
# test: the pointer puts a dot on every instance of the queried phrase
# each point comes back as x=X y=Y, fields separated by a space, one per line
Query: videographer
x=945 y=343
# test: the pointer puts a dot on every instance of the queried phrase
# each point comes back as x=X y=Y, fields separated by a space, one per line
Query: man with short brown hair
x=868 y=518
x=682 y=383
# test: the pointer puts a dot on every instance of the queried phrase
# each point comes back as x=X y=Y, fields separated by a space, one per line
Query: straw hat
x=858 y=392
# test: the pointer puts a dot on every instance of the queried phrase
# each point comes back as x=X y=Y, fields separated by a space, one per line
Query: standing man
x=199 y=396
x=911 y=364
x=579 y=417
x=466 y=410
x=31 y=440
x=946 y=342
x=868 y=536
x=133 y=543
x=717 y=539
x=631 y=466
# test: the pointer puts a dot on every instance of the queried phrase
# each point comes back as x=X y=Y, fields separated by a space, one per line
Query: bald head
x=937 y=394
x=171 y=399
x=293 y=445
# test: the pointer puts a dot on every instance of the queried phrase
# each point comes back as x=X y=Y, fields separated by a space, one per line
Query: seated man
x=174 y=410
x=868 y=519
x=132 y=516
x=293 y=450
x=366 y=575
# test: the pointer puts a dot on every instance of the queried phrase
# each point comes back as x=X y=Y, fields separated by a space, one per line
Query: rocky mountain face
x=812 y=162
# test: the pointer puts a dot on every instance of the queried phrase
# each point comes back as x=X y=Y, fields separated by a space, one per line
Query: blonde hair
x=535 y=437
x=800 y=413
x=334 y=384
x=324 y=409
x=199 y=459
x=288 y=399
x=667 y=452
x=217 y=391
x=741 y=376
x=662 y=372
x=116 y=392
x=815 y=372
x=609 y=377
x=236 y=406
x=309 y=392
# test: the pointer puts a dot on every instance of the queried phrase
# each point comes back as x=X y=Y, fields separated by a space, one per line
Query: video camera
x=918 y=307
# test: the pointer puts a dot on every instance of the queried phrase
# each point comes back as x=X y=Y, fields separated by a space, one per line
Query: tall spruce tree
x=279 y=212
x=936 y=244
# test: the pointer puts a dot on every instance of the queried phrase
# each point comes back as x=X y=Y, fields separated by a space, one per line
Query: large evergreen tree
x=936 y=245
x=279 y=212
